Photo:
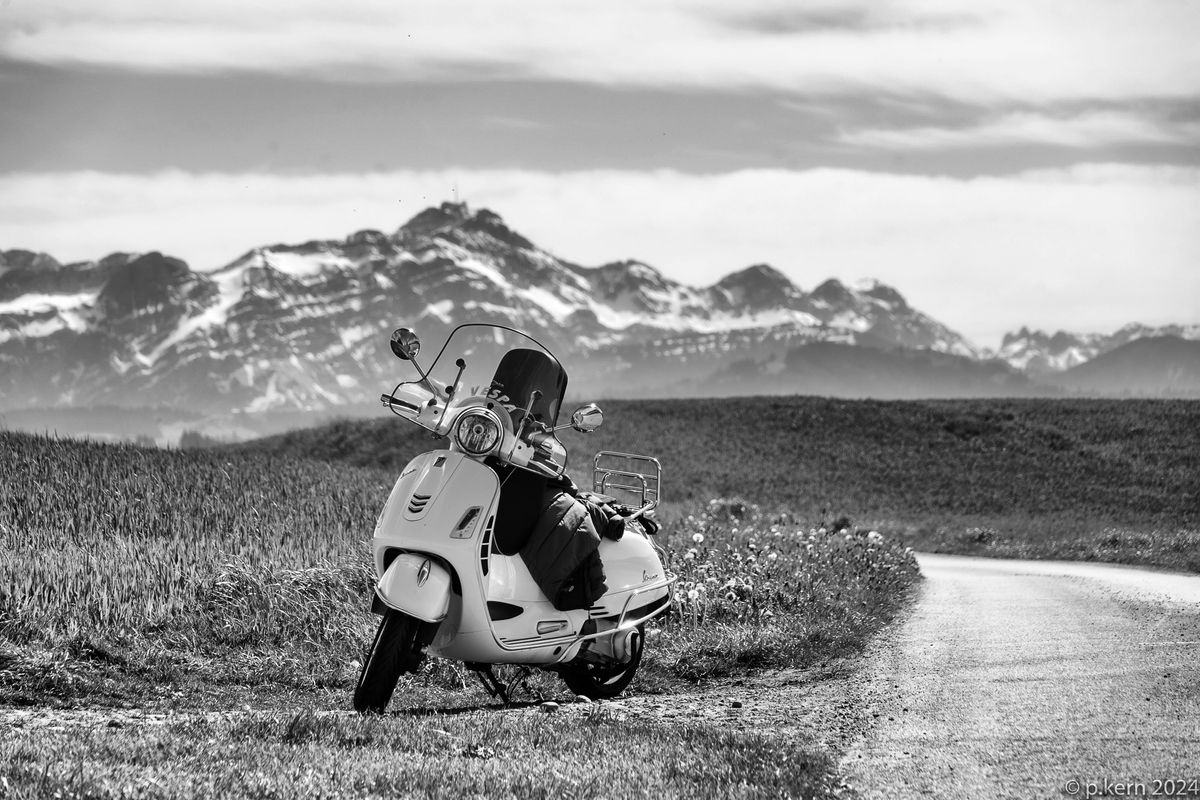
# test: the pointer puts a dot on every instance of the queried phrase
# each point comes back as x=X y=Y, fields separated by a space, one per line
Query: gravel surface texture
x=1034 y=679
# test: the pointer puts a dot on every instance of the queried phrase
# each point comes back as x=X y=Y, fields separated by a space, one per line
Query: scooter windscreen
x=505 y=365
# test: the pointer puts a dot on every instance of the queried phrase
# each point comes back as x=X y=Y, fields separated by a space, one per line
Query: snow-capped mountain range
x=1039 y=353
x=306 y=326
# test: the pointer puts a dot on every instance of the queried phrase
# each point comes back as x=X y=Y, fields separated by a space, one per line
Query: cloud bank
x=1085 y=248
x=1084 y=130
x=1032 y=51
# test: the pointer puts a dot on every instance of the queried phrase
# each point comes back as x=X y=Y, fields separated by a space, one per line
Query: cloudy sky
x=1001 y=162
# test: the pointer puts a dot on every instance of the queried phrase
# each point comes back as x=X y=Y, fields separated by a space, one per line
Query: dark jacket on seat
x=561 y=553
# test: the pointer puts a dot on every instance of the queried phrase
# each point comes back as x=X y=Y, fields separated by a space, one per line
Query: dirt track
x=1008 y=679
x=1012 y=678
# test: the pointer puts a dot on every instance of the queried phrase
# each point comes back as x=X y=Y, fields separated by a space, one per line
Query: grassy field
x=1106 y=480
x=226 y=590
x=312 y=754
x=190 y=581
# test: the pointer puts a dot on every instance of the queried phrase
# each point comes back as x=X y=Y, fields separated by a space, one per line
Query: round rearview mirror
x=587 y=418
x=405 y=344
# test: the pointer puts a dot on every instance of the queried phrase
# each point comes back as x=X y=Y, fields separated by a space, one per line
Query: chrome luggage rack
x=630 y=479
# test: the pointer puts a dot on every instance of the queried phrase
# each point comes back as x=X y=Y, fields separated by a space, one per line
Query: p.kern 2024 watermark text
x=1159 y=787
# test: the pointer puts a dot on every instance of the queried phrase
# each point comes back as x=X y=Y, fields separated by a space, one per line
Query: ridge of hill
x=936 y=468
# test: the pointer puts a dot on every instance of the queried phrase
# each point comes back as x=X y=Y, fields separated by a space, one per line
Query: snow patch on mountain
x=304 y=265
x=485 y=270
x=231 y=288
x=851 y=320
x=441 y=310
x=37 y=315
x=554 y=305
x=34 y=302
x=352 y=336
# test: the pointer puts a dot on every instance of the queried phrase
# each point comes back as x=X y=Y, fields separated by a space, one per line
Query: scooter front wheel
x=604 y=681
x=394 y=652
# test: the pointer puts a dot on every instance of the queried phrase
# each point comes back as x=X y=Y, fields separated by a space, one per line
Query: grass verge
x=134 y=578
x=311 y=754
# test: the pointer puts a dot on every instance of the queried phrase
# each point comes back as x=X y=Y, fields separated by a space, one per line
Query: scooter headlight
x=477 y=431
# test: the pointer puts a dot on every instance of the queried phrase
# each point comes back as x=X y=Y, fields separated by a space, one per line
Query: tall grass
x=249 y=569
x=758 y=589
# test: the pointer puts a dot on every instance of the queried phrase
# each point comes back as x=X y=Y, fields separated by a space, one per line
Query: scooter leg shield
x=417 y=585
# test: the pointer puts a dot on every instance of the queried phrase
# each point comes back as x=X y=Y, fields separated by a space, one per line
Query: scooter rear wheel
x=603 y=682
x=394 y=652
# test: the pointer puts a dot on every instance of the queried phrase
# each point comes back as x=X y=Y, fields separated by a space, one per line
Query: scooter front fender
x=417 y=585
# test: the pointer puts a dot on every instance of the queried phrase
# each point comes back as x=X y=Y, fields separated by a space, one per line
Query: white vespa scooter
x=452 y=581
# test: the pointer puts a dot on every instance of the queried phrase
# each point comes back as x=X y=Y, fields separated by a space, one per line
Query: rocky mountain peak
x=1013 y=337
x=432 y=220
x=458 y=223
x=756 y=276
x=27 y=259
x=619 y=278
x=882 y=292
x=833 y=292
x=759 y=286
x=490 y=224
x=367 y=237
x=1061 y=340
x=1054 y=343
x=148 y=281
x=113 y=260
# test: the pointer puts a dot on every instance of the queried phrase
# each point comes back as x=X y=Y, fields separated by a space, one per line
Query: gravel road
x=1014 y=678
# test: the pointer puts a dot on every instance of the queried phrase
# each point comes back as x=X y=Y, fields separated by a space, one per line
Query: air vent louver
x=485 y=546
x=418 y=502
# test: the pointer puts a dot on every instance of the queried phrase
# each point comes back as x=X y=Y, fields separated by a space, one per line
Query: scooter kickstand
x=490 y=684
x=521 y=679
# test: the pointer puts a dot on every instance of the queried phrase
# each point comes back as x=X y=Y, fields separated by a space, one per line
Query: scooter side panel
x=541 y=624
x=430 y=502
x=629 y=565
x=430 y=512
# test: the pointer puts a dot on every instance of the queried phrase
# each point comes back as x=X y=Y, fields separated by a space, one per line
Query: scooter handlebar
x=388 y=400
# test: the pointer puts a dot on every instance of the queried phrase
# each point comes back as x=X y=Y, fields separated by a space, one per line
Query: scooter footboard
x=417 y=585
x=639 y=607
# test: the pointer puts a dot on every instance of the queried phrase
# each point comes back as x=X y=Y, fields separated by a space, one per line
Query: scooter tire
x=393 y=652
x=604 y=683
